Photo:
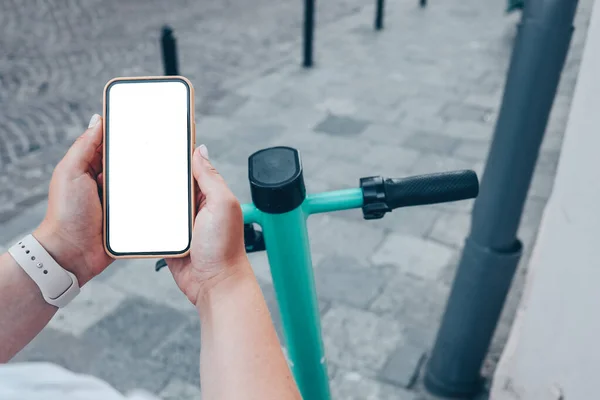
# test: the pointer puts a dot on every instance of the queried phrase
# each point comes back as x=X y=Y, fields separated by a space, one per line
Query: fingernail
x=94 y=121
x=203 y=151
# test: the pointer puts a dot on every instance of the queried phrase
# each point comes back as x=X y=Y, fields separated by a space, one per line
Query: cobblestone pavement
x=420 y=96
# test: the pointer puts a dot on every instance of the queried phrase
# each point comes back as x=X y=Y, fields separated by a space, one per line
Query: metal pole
x=379 y=15
x=492 y=250
x=169 y=51
x=309 y=30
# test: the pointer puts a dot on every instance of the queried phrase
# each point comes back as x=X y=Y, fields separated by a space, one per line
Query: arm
x=24 y=312
x=241 y=356
x=71 y=232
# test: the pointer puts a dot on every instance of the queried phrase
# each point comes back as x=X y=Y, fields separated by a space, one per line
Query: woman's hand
x=72 y=228
x=217 y=252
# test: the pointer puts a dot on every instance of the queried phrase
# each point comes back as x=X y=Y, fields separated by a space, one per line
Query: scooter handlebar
x=430 y=189
x=381 y=195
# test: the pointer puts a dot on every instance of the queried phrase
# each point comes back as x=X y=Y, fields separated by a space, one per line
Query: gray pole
x=492 y=250
x=379 y=14
x=169 y=51
x=309 y=33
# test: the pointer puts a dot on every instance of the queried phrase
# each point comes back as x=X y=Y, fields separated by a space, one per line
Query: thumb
x=210 y=182
x=85 y=153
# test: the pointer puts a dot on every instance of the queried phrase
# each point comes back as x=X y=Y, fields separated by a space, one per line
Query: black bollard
x=492 y=250
x=169 y=51
x=423 y=3
x=379 y=8
x=309 y=30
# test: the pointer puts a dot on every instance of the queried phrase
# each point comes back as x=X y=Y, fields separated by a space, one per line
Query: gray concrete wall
x=552 y=352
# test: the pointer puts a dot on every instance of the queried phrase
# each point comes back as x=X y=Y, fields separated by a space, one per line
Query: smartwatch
x=58 y=286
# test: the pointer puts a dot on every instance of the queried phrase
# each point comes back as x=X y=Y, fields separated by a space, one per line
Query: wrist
x=64 y=253
x=223 y=285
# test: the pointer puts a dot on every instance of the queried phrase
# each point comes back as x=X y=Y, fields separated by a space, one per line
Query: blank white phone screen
x=147 y=166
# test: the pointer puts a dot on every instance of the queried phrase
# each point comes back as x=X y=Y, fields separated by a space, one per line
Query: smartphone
x=149 y=139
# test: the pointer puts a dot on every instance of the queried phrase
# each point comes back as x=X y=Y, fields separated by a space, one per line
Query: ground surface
x=420 y=96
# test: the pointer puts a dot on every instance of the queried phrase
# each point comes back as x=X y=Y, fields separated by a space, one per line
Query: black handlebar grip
x=431 y=188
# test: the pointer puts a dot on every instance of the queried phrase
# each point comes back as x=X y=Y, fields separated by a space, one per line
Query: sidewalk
x=420 y=96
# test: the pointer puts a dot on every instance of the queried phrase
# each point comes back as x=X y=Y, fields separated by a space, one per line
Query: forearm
x=23 y=311
x=241 y=356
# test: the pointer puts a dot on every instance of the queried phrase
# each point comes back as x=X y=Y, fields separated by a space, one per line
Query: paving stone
x=387 y=133
x=22 y=224
x=60 y=348
x=466 y=112
x=341 y=126
x=221 y=103
x=451 y=229
x=126 y=373
x=293 y=97
x=136 y=327
x=337 y=106
x=265 y=86
x=249 y=138
x=95 y=301
x=347 y=166
x=430 y=142
x=301 y=120
x=353 y=386
x=179 y=390
x=420 y=257
x=391 y=160
x=418 y=303
x=311 y=143
x=491 y=101
x=213 y=127
x=423 y=106
x=138 y=277
x=541 y=185
x=332 y=370
x=430 y=123
x=343 y=279
x=343 y=174
x=402 y=367
x=316 y=185
x=472 y=150
x=463 y=129
x=548 y=162
x=217 y=147
x=359 y=340
x=432 y=163
x=9 y=211
x=333 y=235
x=180 y=353
x=371 y=109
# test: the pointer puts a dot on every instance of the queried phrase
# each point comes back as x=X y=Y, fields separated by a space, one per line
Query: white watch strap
x=58 y=286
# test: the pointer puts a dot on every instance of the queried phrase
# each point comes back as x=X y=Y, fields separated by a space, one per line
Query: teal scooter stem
x=281 y=208
x=286 y=237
